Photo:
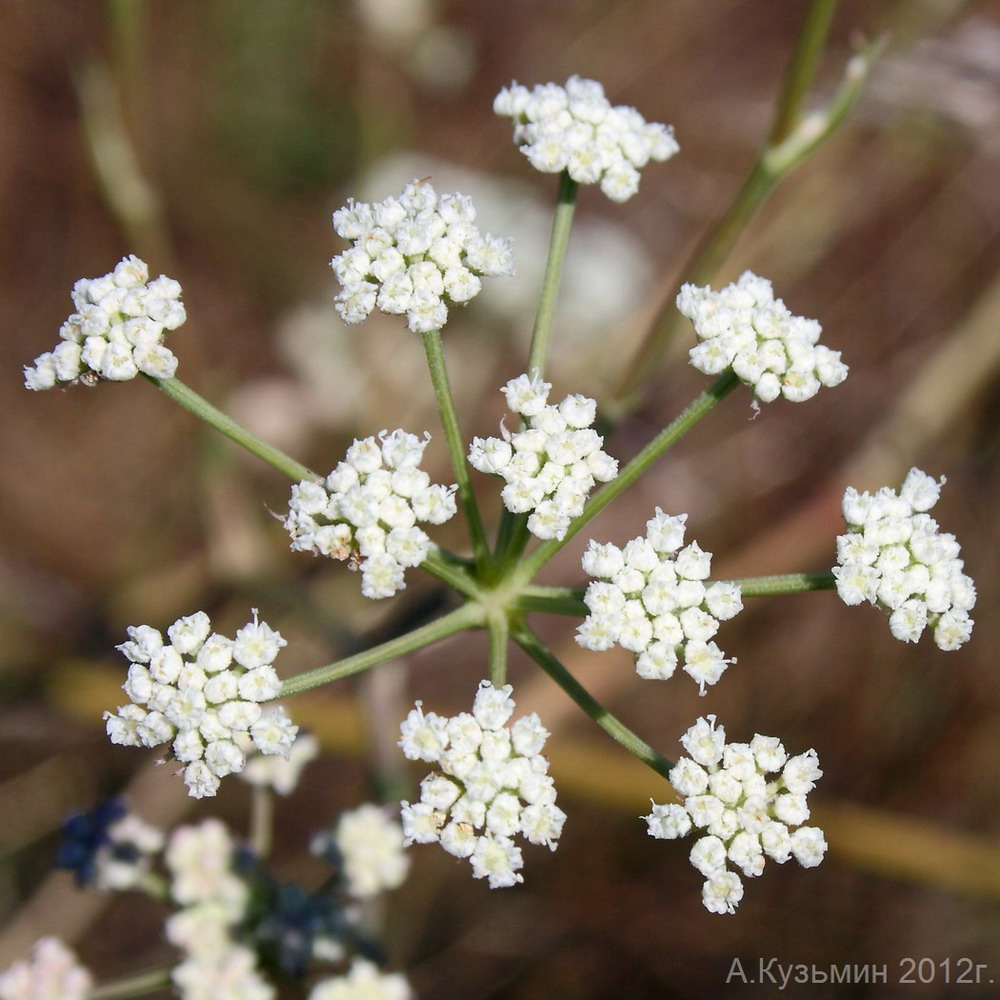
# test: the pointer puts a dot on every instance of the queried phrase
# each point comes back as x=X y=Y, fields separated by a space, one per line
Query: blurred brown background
x=213 y=139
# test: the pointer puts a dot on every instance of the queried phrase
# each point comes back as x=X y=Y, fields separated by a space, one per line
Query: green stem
x=511 y=539
x=791 y=138
x=569 y=600
x=204 y=410
x=131 y=986
x=553 y=601
x=617 y=730
x=813 y=129
x=802 y=69
x=467 y=616
x=456 y=446
x=669 y=436
x=513 y=534
x=452 y=570
x=499 y=631
x=155 y=886
x=562 y=223
x=785 y=583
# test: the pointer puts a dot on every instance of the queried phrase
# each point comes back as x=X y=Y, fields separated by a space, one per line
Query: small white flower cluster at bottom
x=746 y=797
x=213 y=901
x=51 y=973
x=369 y=849
x=493 y=785
x=363 y=981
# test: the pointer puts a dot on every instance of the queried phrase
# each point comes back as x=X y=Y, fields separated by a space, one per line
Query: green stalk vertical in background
x=792 y=137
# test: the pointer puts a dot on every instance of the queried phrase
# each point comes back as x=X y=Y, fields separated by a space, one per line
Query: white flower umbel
x=745 y=327
x=414 y=256
x=370 y=848
x=749 y=801
x=895 y=556
x=575 y=128
x=202 y=692
x=653 y=598
x=492 y=786
x=363 y=981
x=200 y=862
x=367 y=510
x=51 y=973
x=552 y=463
x=116 y=332
x=213 y=900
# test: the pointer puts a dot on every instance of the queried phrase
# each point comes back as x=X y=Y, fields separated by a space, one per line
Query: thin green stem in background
x=562 y=223
x=261 y=820
x=180 y=393
x=617 y=730
x=785 y=583
x=456 y=446
x=802 y=69
x=132 y=986
x=467 y=616
x=791 y=138
x=669 y=436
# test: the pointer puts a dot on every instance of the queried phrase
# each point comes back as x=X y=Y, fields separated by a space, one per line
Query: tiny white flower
x=498 y=860
x=668 y=822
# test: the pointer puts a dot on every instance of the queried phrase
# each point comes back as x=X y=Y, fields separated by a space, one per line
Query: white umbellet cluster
x=745 y=327
x=128 y=855
x=367 y=510
x=552 y=464
x=116 y=332
x=493 y=784
x=414 y=255
x=363 y=981
x=895 y=556
x=51 y=973
x=369 y=848
x=651 y=598
x=213 y=900
x=201 y=692
x=575 y=128
x=750 y=800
